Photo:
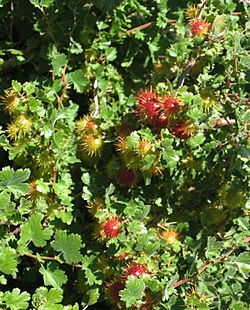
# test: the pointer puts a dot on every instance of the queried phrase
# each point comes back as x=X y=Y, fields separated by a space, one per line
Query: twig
x=65 y=85
x=217 y=261
x=51 y=258
x=183 y=281
x=205 y=266
x=182 y=77
x=223 y=122
x=144 y=26
x=41 y=257
x=202 y=8
x=16 y=231
x=96 y=109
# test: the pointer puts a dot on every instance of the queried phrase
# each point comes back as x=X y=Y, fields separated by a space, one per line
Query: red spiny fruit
x=199 y=27
x=171 y=106
x=111 y=228
x=161 y=122
x=126 y=177
x=148 y=104
x=183 y=129
x=113 y=290
x=136 y=270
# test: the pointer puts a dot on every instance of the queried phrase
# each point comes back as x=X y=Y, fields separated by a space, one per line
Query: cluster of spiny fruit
x=111 y=228
x=21 y=123
x=155 y=112
x=162 y=112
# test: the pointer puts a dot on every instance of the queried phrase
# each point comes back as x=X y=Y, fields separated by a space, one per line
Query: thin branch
x=202 y=8
x=65 y=85
x=96 y=102
x=182 y=77
x=144 y=26
x=50 y=258
x=223 y=122
x=204 y=267
x=183 y=281
x=217 y=261
x=43 y=258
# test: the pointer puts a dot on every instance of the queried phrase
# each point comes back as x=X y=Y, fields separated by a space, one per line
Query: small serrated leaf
x=12 y=181
x=69 y=245
x=33 y=231
x=243 y=264
x=78 y=79
x=133 y=293
x=16 y=300
x=55 y=278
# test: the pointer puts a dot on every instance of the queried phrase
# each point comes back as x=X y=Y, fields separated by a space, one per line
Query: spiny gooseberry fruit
x=193 y=297
x=11 y=100
x=113 y=289
x=143 y=148
x=182 y=129
x=122 y=145
x=95 y=205
x=24 y=123
x=209 y=98
x=136 y=270
x=148 y=105
x=19 y=127
x=161 y=122
x=92 y=144
x=111 y=228
x=86 y=125
x=126 y=177
x=199 y=27
x=12 y=131
x=170 y=236
x=155 y=169
x=171 y=106
x=192 y=12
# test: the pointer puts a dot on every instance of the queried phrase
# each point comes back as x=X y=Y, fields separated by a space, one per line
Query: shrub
x=125 y=154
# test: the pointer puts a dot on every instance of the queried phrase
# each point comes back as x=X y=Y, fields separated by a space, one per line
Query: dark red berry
x=111 y=228
x=136 y=270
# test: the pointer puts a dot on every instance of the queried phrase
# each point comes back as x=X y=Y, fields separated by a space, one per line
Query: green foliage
x=69 y=245
x=99 y=174
x=133 y=293
x=16 y=300
x=32 y=231
x=12 y=181
x=8 y=261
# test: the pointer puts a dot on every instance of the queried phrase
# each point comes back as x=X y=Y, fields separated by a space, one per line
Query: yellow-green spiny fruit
x=95 y=205
x=86 y=125
x=144 y=147
x=19 y=127
x=209 y=97
x=92 y=144
x=192 y=12
x=11 y=99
